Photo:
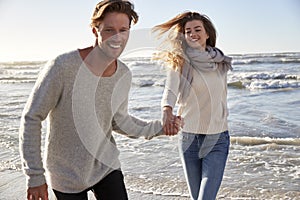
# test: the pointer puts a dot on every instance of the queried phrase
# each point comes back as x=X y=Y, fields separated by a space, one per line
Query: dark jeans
x=112 y=187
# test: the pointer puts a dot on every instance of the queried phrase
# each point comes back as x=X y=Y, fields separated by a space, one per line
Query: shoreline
x=12 y=187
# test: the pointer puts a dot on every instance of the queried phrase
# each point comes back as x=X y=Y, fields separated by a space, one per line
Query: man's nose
x=117 y=36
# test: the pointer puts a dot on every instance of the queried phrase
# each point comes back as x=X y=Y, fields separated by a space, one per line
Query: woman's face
x=113 y=34
x=195 y=34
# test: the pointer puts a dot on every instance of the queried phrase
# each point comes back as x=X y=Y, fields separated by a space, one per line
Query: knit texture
x=82 y=109
x=210 y=60
x=204 y=108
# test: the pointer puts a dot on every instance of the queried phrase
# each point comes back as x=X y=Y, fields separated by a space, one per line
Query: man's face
x=113 y=34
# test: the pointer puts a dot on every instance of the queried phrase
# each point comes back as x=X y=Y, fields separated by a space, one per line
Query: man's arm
x=134 y=127
x=42 y=99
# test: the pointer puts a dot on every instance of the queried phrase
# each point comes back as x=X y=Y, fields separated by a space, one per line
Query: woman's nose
x=192 y=34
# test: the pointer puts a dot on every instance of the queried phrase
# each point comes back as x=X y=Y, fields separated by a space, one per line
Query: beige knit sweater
x=205 y=109
x=83 y=109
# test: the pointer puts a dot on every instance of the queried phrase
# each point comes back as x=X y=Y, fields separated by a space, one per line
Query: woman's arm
x=169 y=100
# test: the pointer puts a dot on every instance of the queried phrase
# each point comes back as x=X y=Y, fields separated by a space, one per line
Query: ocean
x=264 y=121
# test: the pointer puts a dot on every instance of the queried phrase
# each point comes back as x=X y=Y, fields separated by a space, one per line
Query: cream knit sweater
x=83 y=109
x=205 y=109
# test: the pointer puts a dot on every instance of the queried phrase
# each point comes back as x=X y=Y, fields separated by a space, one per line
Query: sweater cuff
x=169 y=100
x=158 y=129
x=35 y=180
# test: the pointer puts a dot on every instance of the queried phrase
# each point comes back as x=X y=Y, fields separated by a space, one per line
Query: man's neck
x=97 y=62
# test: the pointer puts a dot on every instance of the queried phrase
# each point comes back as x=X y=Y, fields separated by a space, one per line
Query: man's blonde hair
x=109 y=6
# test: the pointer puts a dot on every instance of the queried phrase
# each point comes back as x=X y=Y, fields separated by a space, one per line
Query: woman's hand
x=171 y=123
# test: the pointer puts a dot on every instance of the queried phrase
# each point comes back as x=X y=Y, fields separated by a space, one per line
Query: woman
x=197 y=81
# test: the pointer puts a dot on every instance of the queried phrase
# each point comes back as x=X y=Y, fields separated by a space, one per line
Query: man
x=85 y=94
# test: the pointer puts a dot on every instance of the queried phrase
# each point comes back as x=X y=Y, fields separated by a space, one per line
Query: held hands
x=37 y=193
x=171 y=123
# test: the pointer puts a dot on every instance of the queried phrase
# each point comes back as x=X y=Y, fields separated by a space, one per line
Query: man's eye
x=124 y=30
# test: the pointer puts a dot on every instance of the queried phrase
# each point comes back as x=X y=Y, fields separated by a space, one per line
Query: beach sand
x=12 y=187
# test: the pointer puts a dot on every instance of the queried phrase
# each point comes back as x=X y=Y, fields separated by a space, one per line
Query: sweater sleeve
x=43 y=98
x=171 y=89
x=134 y=127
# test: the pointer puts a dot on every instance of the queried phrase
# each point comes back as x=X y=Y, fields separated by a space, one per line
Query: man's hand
x=38 y=193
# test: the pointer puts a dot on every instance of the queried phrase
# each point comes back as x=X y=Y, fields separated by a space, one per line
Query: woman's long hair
x=174 y=45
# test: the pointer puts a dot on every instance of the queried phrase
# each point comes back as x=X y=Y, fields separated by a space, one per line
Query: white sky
x=39 y=30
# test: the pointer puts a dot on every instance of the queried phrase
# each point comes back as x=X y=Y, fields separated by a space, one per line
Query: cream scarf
x=209 y=60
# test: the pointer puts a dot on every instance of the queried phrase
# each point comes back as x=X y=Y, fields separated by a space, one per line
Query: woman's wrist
x=167 y=109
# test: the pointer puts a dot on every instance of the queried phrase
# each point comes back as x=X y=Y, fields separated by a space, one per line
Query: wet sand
x=12 y=187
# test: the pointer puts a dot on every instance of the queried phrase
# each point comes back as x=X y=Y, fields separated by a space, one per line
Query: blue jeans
x=204 y=159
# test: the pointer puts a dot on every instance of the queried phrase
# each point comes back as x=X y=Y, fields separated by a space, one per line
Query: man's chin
x=113 y=54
